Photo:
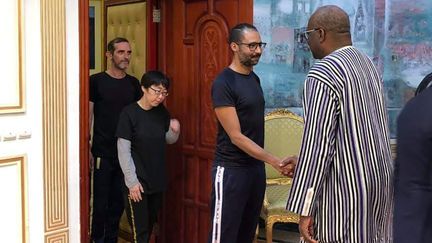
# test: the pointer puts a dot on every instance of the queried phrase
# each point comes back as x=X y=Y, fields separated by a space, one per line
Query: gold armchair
x=283 y=134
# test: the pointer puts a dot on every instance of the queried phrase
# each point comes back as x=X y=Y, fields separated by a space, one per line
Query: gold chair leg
x=269 y=231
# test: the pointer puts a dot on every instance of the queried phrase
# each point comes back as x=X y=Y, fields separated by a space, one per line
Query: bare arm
x=228 y=118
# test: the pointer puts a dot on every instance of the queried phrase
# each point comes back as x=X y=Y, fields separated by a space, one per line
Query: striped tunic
x=344 y=177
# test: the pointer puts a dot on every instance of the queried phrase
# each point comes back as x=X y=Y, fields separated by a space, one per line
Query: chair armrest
x=279 y=181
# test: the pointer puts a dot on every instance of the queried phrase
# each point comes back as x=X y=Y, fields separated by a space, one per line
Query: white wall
x=31 y=122
x=72 y=62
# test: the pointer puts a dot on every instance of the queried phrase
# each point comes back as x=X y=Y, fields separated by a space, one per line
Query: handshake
x=287 y=166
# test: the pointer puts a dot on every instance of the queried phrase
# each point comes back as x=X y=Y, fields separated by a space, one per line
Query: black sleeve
x=138 y=90
x=222 y=94
x=92 y=88
x=124 y=125
x=167 y=118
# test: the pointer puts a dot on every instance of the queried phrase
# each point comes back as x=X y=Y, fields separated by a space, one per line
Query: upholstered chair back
x=130 y=21
x=283 y=135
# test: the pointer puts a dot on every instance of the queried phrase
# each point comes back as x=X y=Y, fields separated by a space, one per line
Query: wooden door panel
x=193 y=11
x=193 y=50
x=191 y=180
x=191 y=100
x=212 y=55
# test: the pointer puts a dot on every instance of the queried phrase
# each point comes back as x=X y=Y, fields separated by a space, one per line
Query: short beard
x=249 y=62
x=121 y=68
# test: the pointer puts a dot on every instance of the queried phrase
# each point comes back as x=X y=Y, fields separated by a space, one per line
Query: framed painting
x=395 y=34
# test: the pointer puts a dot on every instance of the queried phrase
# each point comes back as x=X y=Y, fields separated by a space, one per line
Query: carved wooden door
x=193 y=49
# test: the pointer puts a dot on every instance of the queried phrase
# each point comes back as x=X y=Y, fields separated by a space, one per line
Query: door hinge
x=156 y=15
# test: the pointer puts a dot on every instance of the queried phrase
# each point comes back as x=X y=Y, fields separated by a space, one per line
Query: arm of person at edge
x=173 y=132
x=91 y=160
x=306 y=229
x=227 y=116
x=128 y=168
x=317 y=157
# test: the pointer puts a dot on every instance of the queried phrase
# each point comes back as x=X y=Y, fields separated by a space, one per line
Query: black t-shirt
x=146 y=130
x=245 y=94
x=110 y=96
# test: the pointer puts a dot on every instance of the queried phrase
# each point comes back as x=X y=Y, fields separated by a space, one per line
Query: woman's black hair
x=155 y=78
x=426 y=82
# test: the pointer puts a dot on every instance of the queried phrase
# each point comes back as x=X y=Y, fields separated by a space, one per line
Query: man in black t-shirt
x=238 y=171
x=110 y=92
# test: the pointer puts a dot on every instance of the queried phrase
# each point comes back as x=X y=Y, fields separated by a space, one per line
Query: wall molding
x=54 y=116
x=12 y=94
x=57 y=237
x=20 y=162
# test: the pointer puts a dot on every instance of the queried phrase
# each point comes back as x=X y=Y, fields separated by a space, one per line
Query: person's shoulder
x=160 y=109
x=341 y=53
x=131 y=78
x=226 y=78
x=332 y=61
x=320 y=66
x=323 y=72
x=255 y=76
x=130 y=108
x=98 y=76
x=424 y=98
x=348 y=54
x=224 y=75
x=103 y=73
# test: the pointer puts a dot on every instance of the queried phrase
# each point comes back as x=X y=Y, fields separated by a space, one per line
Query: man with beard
x=110 y=91
x=238 y=172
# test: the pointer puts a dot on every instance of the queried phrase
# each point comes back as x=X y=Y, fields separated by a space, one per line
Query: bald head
x=331 y=18
x=331 y=31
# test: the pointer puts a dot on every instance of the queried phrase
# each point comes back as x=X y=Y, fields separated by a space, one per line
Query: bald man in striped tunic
x=342 y=185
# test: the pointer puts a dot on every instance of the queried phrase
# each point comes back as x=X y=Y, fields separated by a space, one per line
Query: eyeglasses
x=160 y=92
x=254 y=45
x=308 y=32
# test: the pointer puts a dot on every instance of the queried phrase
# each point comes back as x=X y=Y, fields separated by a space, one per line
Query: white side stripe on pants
x=217 y=216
